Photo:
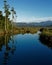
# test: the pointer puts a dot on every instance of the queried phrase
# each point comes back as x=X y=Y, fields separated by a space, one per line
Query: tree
x=13 y=12
x=7 y=13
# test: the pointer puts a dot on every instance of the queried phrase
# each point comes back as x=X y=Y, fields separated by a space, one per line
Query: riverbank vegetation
x=46 y=37
x=47 y=31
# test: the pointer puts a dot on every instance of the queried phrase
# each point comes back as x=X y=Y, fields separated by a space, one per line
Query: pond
x=24 y=49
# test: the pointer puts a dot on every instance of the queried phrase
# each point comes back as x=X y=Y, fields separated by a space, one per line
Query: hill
x=34 y=24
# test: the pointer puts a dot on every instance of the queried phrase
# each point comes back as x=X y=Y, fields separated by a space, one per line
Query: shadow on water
x=46 y=41
x=4 y=41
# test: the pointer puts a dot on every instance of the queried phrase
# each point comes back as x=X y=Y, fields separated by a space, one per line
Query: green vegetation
x=47 y=31
x=46 y=37
x=2 y=22
x=6 y=24
x=24 y=30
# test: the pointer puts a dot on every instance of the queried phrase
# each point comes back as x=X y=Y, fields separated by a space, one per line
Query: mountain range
x=34 y=24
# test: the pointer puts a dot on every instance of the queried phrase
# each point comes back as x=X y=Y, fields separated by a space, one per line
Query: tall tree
x=13 y=12
x=7 y=13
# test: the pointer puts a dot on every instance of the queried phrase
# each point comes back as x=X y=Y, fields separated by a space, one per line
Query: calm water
x=24 y=49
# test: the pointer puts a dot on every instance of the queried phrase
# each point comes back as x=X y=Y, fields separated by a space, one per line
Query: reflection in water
x=13 y=46
x=4 y=41
x=6 y=53
x=1 y=42
x=26 y=48
x=46 y=41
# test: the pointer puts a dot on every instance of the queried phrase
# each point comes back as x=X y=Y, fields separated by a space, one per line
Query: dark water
x=24 y=49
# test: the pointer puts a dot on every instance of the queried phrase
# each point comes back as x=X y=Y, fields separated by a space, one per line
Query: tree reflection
x=6 y=53
x=13 y=45
x=1 y=42
x=46 y=41
x=4 y=41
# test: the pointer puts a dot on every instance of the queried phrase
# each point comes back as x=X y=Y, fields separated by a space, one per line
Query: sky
x=31 y=10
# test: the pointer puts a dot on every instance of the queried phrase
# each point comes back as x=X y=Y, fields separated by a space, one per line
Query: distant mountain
x=46 y=23
x=34 y=24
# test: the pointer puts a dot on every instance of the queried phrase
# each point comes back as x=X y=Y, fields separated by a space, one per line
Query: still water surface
x=24 y=49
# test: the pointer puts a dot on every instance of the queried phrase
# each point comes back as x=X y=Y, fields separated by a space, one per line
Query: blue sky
x=31 y=10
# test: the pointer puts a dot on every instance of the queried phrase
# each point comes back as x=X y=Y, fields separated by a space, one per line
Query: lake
x=24 y=49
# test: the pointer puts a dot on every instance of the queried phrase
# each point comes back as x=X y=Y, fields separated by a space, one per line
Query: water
x=24 y=49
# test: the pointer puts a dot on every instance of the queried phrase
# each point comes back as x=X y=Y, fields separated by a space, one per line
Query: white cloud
x=33 y=19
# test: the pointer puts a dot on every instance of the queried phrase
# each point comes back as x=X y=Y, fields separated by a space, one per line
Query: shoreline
x=19 y=30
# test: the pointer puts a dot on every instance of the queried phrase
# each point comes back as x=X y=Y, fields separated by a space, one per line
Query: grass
x=47 y=32
x=22 y=30
x=26 y=29
x=46 y=35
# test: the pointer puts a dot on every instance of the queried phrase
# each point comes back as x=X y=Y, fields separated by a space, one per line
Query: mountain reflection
x=4 y=41
x=46 y=41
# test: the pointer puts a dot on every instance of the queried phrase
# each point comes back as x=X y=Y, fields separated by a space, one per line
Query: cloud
x=42 y=19
x=33 y=19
